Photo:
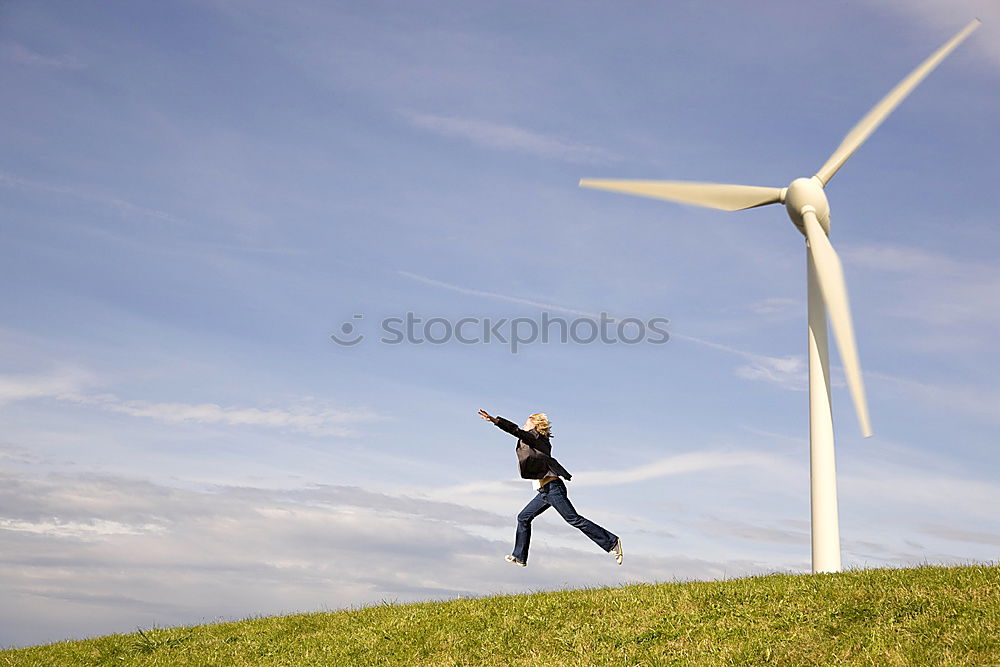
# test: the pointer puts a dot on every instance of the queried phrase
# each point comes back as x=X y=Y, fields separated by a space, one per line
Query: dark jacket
x=534 y=452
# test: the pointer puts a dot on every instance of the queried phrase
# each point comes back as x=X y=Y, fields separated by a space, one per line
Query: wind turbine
x=807 y=206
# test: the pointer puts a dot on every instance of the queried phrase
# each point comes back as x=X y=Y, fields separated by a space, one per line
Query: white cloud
x=310 y=416
x=789 y=372
x=680 y=464
x=751 y=532
x=125 y=552
x=13 y=454
x=162 y=554
x=510 y=138
x=21 y=54
x=307 y=414
x=962 y=535
x=773 y=306
x=95 y=528
x=60 y=385
x=124 y=207
x=689 y=462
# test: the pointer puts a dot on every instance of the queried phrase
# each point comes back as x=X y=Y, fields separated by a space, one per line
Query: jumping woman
x=534 y=457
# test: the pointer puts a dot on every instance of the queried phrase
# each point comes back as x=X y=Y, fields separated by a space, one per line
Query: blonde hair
x=541 y=421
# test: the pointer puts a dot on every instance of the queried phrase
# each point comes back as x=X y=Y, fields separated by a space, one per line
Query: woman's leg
x=535 y=506
x=555 y=495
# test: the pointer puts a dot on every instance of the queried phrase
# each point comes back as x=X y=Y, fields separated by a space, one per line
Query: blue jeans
x=554 y=494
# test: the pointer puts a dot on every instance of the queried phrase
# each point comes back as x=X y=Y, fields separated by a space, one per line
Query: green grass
x=920 y=616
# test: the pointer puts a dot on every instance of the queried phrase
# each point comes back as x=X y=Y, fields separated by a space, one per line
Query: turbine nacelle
x=804 y=194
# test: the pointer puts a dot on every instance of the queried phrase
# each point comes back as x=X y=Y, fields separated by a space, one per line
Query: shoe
x=617 y=552
x=511 y=559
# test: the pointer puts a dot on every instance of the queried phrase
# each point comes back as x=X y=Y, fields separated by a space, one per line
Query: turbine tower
x=807 y=206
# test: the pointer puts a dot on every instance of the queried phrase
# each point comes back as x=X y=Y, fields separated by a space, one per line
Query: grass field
x=920 y=616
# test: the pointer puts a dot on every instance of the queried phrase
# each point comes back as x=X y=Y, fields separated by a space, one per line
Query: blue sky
x=196 y=195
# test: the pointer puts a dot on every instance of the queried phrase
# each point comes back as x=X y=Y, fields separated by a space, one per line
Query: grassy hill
x=921 y=616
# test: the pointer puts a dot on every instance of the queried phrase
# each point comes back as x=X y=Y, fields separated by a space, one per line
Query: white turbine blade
x=831 y=283
x=880 y=111
x=712 y=195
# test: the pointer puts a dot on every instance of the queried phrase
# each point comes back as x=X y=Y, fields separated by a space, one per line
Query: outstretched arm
x=509 y=427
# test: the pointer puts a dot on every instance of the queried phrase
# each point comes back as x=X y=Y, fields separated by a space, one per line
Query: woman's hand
x=485 y=415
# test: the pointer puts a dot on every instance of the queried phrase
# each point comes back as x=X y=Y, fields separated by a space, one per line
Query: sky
x=195 y=196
